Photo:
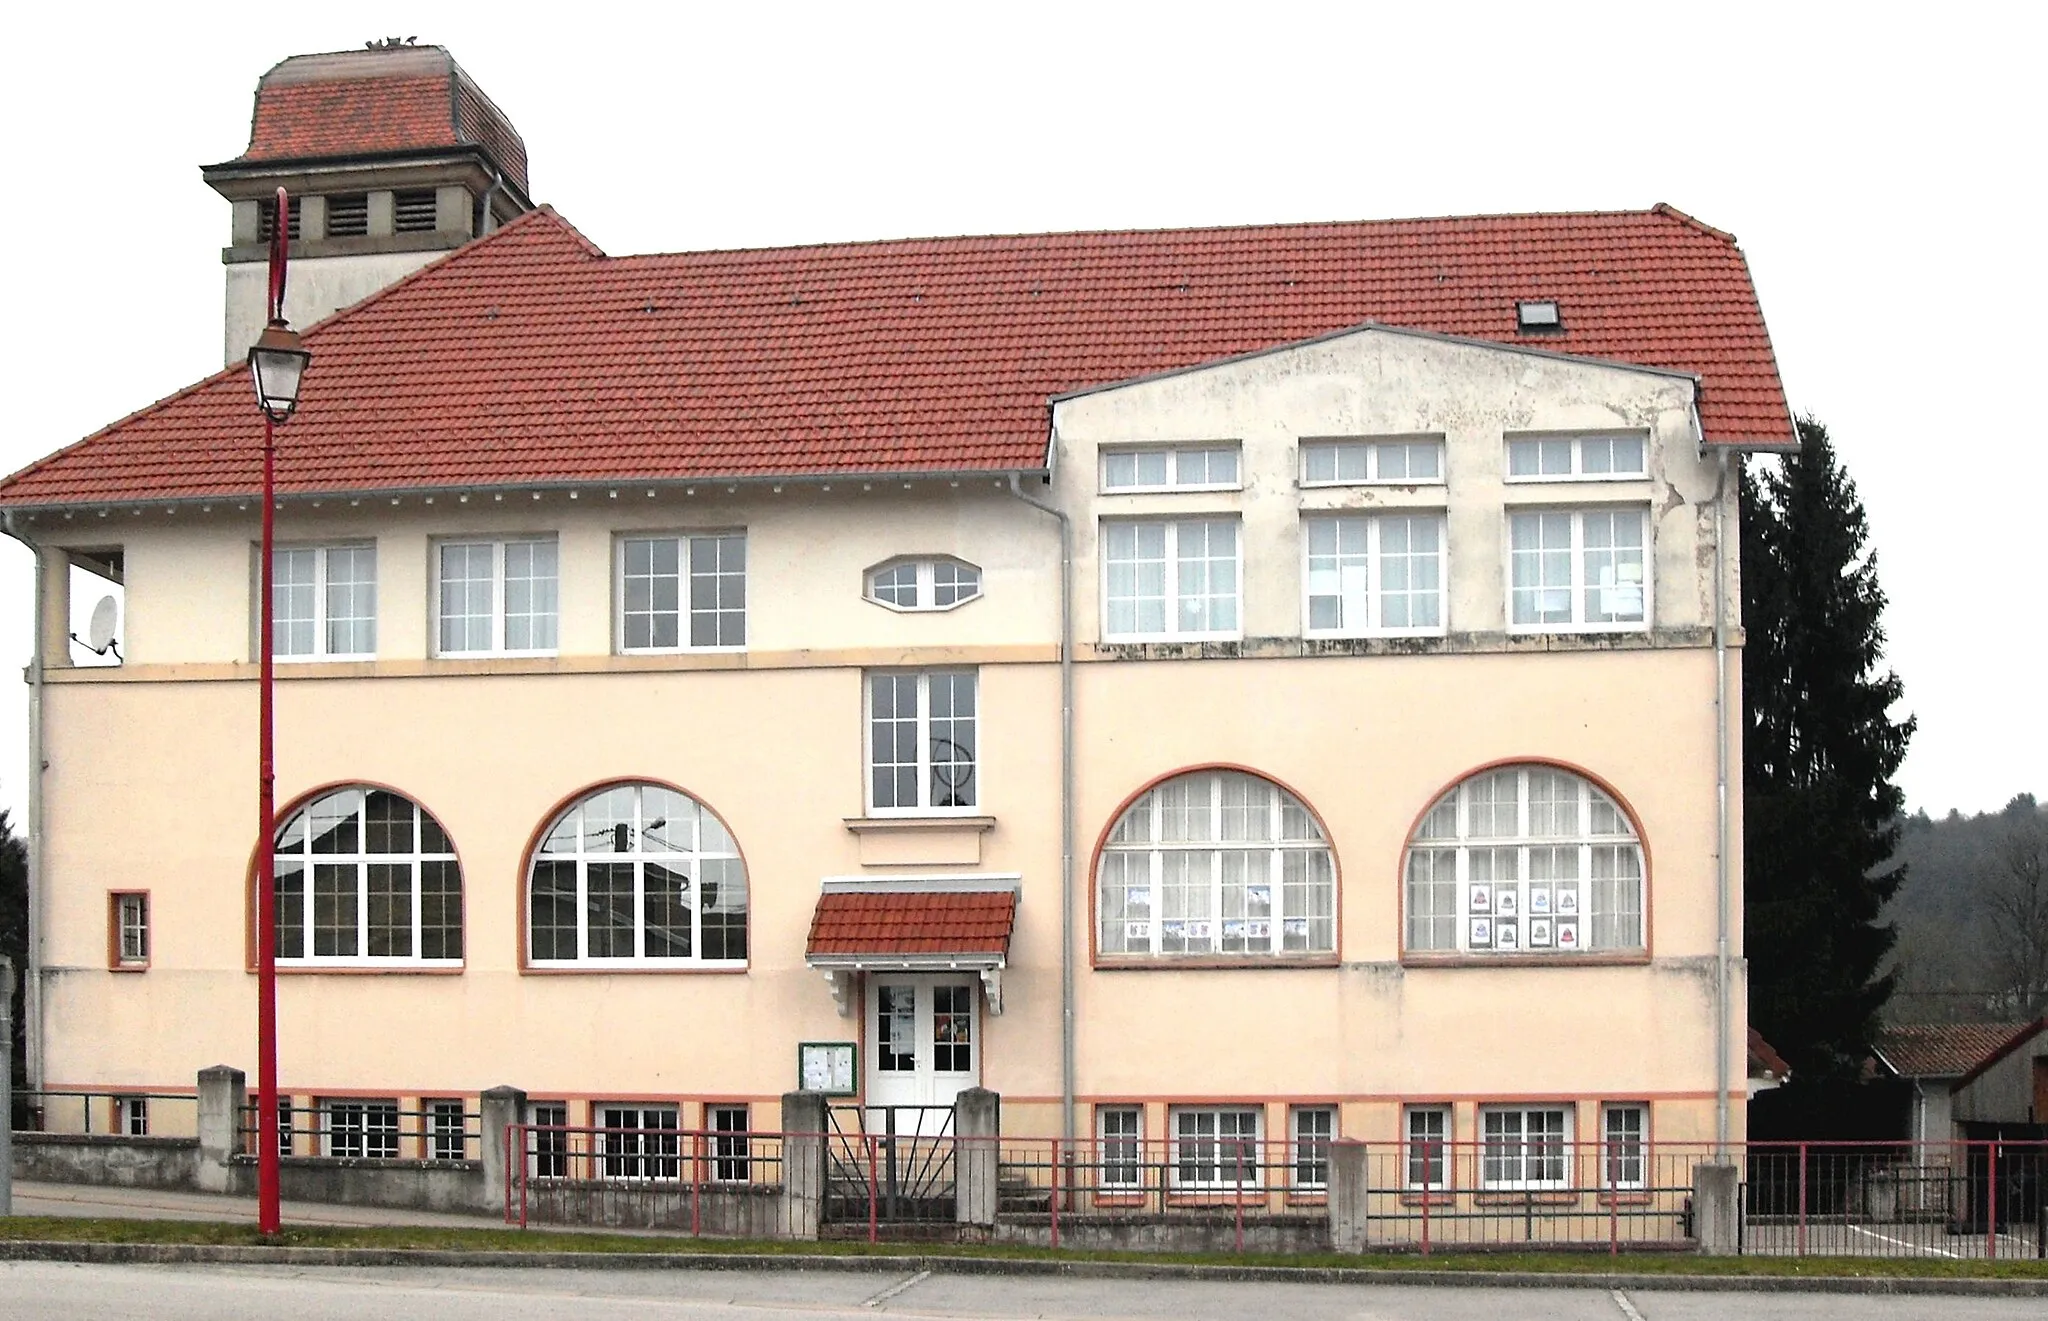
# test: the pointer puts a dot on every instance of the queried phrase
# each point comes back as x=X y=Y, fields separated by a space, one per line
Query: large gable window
x=1525 y=860
x=637 y=875
x=1216 y=863
x=365 y=877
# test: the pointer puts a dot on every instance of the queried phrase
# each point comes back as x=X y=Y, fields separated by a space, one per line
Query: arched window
x=1216 y=863
x=1525 y=860
x=639 y=875
x=366 y=877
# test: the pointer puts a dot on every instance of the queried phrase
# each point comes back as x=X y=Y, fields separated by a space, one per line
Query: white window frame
x=926 y=762
x=1619 y=1150
x=928 y=587
x=731 y=1148
x=1371 y=450
x=498 y=548
x=1579 y=587
x=1578 y=444
x=359 y=1127
x=1594 y=810
x=360 y=861
x=686 y=568
x=547 y=1156
x=709 y=841
x=131 y=928
x=323 y=554
x=131 y=1116
x=1370 y=600
x=441 y=1139
x=1307 y=1152
x=1138 y=840
x=1424 y=1153
x=1245 y=1155
x=638 y=1151
x=1170 y=584
x=1175 y=456
x=1505 y=1162
x=1120 y=1156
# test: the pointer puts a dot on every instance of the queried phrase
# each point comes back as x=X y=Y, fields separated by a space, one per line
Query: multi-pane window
x=1578 y=568
x=686 y=592
x=639 y=1142
x=129 y=917
x=550 y=1141
x=1181 y=468
x=497 y=597
x=1524 y=1147
x=729 y=1143
x=1314 y=1129
x=445 y=1130
x=1176 y=579
x=1216 y=863
x=1569 y=458
x=364 y=876
x=324 y=602
x=286 y=1128
x=131 y=1116
x=637 y=874
x=361 y=1130
x=1428 y=1133
x=953 y=1029
x=934 y=584
x=922 y=741
x=1358 y=462
x=1525 y=859
x=1624 y=1134
x=1120 y=1129
x=896 y=1023
x=1215 y=1147
x=1381 y=573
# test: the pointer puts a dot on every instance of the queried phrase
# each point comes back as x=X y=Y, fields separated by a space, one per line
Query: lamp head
x=277 y=364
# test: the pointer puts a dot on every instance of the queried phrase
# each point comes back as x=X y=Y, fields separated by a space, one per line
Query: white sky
x=1879 y=164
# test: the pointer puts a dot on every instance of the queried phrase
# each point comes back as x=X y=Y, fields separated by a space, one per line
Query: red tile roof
x=1764 y=1059
x=1941 y=1050
x=892 y=924
x=383 y=100
x=530 y=357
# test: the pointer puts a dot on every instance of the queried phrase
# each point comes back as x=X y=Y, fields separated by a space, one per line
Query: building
x=1267 y=682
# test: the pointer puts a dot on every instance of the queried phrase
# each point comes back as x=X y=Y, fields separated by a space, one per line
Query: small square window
x=128 y=933
x=131 y=1116
x=1216 y=1148
x=446 y=1132
x=360 y=1130
x=639 y=1142
x=1538 y=315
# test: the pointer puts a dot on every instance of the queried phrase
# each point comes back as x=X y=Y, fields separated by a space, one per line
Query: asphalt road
x=39 y=1290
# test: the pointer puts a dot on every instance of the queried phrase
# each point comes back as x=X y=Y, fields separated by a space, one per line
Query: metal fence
x=894 y=1165
x=368 y=1129
x=1959 y=1200
x=712 y=1182
x=116 y=1113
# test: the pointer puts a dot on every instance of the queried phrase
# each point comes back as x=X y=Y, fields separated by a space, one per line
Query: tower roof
x=377 y=102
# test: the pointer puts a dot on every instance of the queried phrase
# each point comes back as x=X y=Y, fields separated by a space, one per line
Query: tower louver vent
x=348 y=215
x=414 y=211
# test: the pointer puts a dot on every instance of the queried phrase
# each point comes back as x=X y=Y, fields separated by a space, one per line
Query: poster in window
x=1173 y=930
x=1233 y=929
x=1138 y=901
x=1197 y=930
x=1138 y=933
x=1296 y=926
x=1482 y=899
x=1506 y=936
x=1539 y=933
x=1505 y=903
x=1258 y=930
x=1539 y=899
x=1482 y=933
x=1567 y=901
x=1567 y=933
x=1259 y=898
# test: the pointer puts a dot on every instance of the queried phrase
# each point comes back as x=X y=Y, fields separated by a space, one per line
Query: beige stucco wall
x=151 y=772
x=318 y=288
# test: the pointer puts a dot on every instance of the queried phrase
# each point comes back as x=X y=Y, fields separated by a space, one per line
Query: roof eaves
x=1364 y=327
x=2012 y=1043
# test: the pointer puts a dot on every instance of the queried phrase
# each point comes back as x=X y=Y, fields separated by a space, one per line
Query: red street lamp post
x=277 y=364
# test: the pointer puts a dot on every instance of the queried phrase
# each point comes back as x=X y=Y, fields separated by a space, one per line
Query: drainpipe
x=32 y=977
x=483 y=224
x=1722 y=816
x=1066 y=803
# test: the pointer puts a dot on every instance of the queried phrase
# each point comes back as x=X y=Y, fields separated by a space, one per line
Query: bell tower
x=392 y=156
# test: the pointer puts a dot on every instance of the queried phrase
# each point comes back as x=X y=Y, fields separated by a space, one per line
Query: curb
x=183 y=1254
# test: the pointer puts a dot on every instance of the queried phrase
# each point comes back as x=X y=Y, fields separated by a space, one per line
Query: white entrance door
x=924 y=1046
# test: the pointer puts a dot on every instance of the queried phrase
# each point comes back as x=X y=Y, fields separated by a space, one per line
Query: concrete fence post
x=1349 y=1203
x=803 y=1163
x=497 y=1110
x=223 y=1095
x=1717 y=1209
x=6 y=1086
x=977 y=1159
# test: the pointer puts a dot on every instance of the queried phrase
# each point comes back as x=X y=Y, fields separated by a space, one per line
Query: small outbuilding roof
x=1941 y=1050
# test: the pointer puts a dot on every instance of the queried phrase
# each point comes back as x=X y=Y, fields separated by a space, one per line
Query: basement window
x=413 y=211
x=266 y=219
x=348 y=215
x=1539 y=316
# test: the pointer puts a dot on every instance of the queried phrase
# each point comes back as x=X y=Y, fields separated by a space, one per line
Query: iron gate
x=889 y=1165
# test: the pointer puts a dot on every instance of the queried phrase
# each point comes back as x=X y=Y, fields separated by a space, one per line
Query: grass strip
x=446 y=1239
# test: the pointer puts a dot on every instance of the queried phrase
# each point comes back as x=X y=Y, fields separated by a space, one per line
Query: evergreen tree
x=1820 y=811
x=14 y=932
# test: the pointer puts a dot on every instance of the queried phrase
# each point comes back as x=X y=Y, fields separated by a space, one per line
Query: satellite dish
x=100 y=632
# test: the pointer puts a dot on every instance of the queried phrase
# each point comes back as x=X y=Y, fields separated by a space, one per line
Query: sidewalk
x=82 y=1200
